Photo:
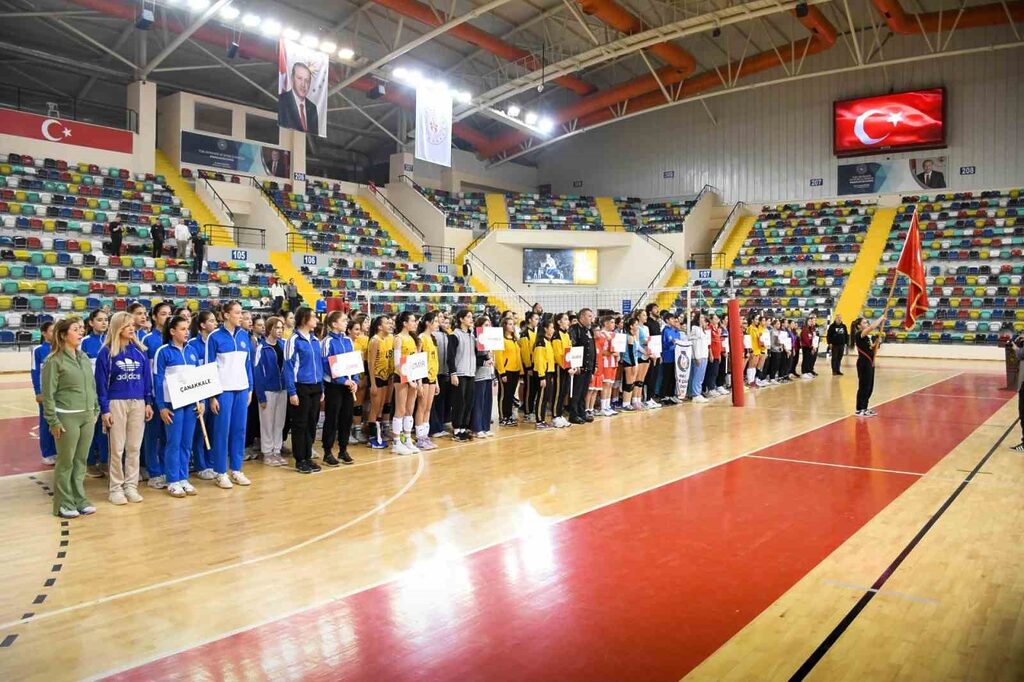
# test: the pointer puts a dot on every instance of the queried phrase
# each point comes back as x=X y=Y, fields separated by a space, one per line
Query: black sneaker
x=576 y=420
x=1019 y=447
x=345 y=458
x=589 y=418
x=303 y=468
x=330 y=461
x=314 y=468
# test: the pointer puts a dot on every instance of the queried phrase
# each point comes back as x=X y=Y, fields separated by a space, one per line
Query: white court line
x=838 y=466
x=477 y=549
x=967 y=397
x=881 y=593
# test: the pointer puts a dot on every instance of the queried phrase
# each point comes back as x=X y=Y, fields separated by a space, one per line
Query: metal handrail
x=496 y=277
x=396 y=211
x=412 y=183
x=236 y=232
x=737 y=207
x=439 y=254
x=223 y=204
x=714 y=260
x=24 y=99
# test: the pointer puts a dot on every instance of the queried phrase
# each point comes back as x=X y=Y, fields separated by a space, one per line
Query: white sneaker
x=117 y=497
x=238 y=478
x=87 y=509
x=223 y=481
x=652 y=404
x=400 y=448
x=207 y=474
x=189 y=488
x=176 y=490
x=132 y=494
x=482 y=434
x=67 y=513
x=411 y=446
x=699 y=399
x=158 y=482
x=50 y=461
x=489 y=434
x=807 y=376
x=439 y=434
x=609 y=412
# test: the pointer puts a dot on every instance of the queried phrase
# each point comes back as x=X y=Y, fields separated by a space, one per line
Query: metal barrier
x=439 y=254
x=220 y=200
x=253 y=237
x=730 y=220
x=60 y=106
x=714 y=260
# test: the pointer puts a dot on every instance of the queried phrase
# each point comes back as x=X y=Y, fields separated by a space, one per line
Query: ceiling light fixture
x=530 y=118
x=546 y=125
x=230 y=13
x=512 y=111
x=198 y=5
x=328 y=46
x=346 y=53
x=310 y=41
x=291 y=34
x=251 y=20
x=463 y=97
x=270 y=28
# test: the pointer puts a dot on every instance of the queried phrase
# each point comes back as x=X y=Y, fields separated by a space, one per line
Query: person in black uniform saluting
x=837 y=339
x=867 y=346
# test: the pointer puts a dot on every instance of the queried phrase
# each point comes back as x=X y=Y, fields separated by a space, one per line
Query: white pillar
x=142 y=99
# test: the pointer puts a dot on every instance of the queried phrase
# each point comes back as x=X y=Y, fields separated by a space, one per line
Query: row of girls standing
x=123 y=393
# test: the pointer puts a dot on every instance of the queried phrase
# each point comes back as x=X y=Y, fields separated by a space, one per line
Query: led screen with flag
x=911 y=264
x=904 y=120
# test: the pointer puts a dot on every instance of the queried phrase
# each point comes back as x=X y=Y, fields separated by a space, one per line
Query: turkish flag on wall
x=905 y=120
x=63 y=131
x=911 y=264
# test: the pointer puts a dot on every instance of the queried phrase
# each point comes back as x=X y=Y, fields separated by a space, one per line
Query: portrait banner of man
x=302 y=88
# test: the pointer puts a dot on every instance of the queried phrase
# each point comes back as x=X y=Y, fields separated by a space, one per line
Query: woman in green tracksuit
x=71 y=409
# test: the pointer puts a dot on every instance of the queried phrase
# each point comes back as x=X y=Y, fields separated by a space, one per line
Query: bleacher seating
x=630 y=210
x=357 y=279
x=465 y=210
x=331 y=220
x=665 y=216
x=552 y=212
x=973 y=249
x=54 y=260
x=797 y=258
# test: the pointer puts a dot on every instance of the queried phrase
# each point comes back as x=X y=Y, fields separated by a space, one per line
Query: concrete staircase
x=858 y=284
x=497 y=210
x=676 y=281
x=610 y=216
x=735 y=240
x=190 y=200
x=286 y=270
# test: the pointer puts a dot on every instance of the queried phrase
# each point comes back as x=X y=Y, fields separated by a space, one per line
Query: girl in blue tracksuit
x=91 y=344
x=154 y=440
x=339 y=398
x=303 y=377
x=179 y=424
x=228 y=346
x=47 y=445
x=203 y=324
x=268 y=379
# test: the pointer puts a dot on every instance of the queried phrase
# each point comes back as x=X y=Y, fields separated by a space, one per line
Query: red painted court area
x=20 y=452
x=643 y=589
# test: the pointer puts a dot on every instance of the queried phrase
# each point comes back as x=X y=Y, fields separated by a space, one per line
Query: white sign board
x=619 y=343
x=414 y=367
x=489 y=338
x=574 y=356
x=654 y=346
x=192 y=384
x=346 y=364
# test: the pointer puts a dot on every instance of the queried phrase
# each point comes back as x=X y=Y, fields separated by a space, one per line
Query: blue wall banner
x=234 y=155
x=892 y=175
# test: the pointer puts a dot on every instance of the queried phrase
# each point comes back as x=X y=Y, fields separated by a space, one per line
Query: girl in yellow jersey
x=508 y=365
x=753 y=341
x=560 y=345
x=544 y=366
x=357 y=332
x=406 y=392
x=429 y=324
x=527 y=339
x=380 y=359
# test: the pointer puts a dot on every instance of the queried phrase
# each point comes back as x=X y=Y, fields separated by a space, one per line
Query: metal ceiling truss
x=621 y=114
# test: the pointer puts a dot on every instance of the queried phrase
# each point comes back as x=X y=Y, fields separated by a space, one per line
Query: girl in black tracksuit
x=867 y=347
x=462 y=365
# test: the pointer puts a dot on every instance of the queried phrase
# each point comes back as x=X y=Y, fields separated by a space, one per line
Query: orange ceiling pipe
x=619 y=18
x=900 y=21
x=261 y=49
x=645 y=89
x=474 y=36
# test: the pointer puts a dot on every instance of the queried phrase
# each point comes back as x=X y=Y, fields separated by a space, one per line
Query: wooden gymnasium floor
x=781 y=541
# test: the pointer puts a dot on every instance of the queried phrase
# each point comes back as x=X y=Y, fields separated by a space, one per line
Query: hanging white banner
x=434 y=125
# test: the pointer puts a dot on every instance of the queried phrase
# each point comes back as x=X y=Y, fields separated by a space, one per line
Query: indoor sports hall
x=579 y=340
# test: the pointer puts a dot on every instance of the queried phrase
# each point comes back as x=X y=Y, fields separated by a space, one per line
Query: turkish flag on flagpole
x=911 y=264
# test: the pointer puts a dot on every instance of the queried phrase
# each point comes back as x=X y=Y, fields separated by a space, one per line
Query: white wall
x=466 y=169
x=625 y=261
x=769 y=142
x=427 y=218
